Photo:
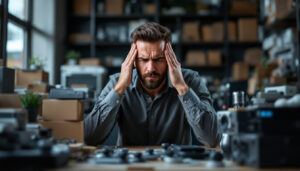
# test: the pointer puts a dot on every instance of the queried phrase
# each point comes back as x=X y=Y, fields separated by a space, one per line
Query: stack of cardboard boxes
x=252 y=58
x=81 y=8
x=279 y=9
x=201 y=58
x=35 y=81
x=24 y=79
x=65 y=118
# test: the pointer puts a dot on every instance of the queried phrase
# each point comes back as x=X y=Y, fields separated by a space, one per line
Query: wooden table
x=158 y=165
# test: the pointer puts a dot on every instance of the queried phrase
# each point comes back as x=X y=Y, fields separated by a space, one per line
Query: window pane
x=43 y=15
x=18 y=8
x=42 y=47
x=15 y=46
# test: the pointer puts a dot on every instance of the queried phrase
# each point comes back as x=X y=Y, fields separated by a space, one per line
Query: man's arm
x=195 y=100
x=101 y=120
x=99 y=123
x=199 y=112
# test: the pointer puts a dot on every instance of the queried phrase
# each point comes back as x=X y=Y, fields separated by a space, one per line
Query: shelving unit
x=277 y=27
x=101 y=49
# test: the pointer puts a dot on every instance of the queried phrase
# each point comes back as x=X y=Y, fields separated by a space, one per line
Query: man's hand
x=126 y=71
x=175 y=73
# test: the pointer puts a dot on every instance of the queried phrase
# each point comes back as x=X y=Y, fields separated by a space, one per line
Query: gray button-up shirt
x=168 y=118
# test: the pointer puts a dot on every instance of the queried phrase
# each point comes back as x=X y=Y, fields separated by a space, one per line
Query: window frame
x=26 y=25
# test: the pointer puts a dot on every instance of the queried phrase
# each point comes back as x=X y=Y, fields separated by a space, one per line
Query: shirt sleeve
x=199 y=111
x=100 y=122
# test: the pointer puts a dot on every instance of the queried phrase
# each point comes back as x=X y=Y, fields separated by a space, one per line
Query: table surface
x=158 y=165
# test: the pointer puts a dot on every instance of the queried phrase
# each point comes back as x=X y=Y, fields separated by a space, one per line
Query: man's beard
x=152 y=84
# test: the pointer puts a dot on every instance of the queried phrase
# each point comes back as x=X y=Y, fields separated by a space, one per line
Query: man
x=158 y=102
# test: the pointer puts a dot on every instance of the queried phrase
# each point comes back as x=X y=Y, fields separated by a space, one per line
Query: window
x=18 y=8
x=44 y=22
x=43 y=34
x=15 y=46
x=42 y=47
x=30 y=33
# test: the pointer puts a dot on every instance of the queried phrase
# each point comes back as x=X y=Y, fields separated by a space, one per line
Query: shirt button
x=184 y=101
x=118 y=101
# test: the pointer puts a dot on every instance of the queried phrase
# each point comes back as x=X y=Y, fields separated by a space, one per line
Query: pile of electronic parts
x=264 y=135
x=28 y=147
x=169 y=153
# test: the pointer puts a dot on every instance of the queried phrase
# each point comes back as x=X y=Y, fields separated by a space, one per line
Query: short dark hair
x=151 y=32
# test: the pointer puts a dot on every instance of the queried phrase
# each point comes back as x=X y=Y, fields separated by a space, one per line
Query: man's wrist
x=119 y=89
x=182 y=89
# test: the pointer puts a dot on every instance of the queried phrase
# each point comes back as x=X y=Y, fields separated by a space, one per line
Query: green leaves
x=31 y=100
x=72 y=54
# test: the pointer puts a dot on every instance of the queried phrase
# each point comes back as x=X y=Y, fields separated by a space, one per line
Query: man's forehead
x=147 y=49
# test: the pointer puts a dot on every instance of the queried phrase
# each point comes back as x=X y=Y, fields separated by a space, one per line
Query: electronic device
x=67 y=93
x=260 y=120
x=12 y=119
x=28 y=149
x=7 y=80
x=260 y=151
x=92 y=76
x=285 y=90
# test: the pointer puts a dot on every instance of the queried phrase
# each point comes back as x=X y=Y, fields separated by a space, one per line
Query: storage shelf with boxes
x=230 y=27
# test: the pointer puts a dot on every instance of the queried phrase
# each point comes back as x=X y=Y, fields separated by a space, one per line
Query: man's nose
x=150 y=66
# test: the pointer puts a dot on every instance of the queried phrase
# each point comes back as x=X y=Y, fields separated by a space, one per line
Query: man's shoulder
x=189 y=72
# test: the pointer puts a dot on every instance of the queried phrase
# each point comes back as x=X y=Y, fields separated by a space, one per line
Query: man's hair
x=151 y=32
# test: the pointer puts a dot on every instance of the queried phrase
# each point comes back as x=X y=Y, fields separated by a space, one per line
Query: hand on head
x=126 y=71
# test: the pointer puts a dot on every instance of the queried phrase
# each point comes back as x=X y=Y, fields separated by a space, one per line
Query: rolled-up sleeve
x=99 y=123
x=200 y=113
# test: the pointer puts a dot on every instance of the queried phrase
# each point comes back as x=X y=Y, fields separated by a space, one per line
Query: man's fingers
x=133 y=47
x=169 y=61
x=133 y=56
x=172 y=54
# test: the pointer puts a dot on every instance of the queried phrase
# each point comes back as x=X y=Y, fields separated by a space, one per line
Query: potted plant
x=36 y=63
x=31 y=103
x=72 y=56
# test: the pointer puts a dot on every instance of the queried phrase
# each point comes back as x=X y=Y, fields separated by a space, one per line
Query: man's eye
x=159 y=59
x=143 y=60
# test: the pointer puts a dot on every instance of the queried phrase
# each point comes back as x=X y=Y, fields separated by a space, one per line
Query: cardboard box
x=39 y=88
x=276 y=81
x=207 y=33
x=90 y=61
x=218 y=32
x=191 y=32
x=247 y=29
x=150 y=9
x=80 y=38
x=81 y=7
x=252 y=86
x=195 y=58
x=252 y=56
x=232 y=31
x=214 y=58
x=114 y=7
x=10 y=101
x=283 y=8
x=240 y=71
x=40 y=111
x=65 y=129
x=25 y=77
x=62 y=110
x=243 y=7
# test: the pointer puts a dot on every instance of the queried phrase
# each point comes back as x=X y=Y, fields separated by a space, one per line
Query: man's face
x=151 y=63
